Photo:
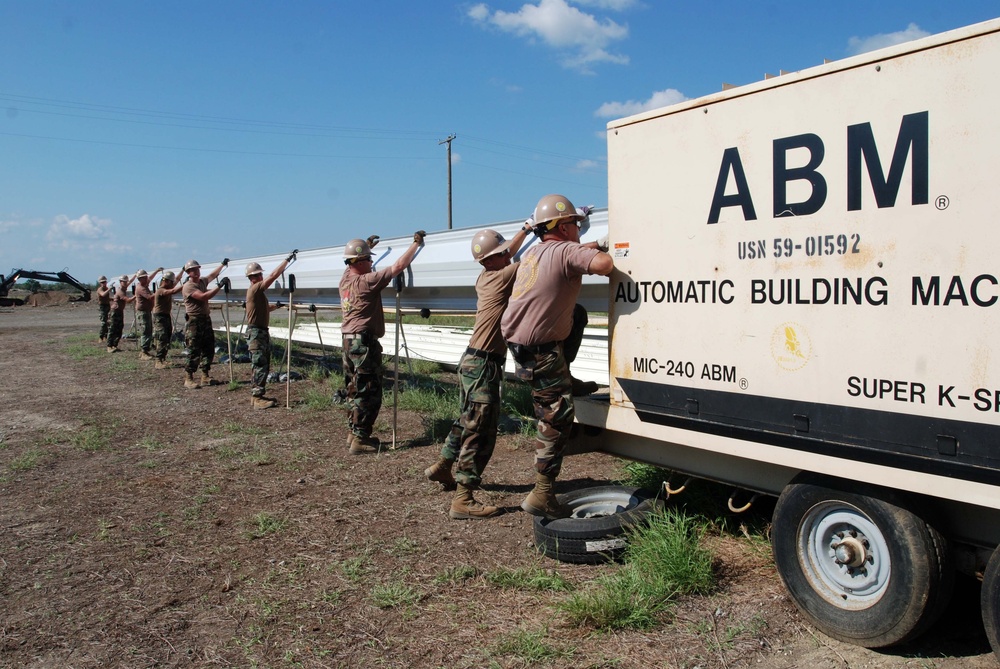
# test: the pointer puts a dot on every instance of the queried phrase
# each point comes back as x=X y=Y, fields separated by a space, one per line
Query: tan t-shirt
x=143 y=297
x=492 y=292
x=548 y=282
x=119 y=298
x=163 y=301
x=192 y=306
x=104 y=295
x=258 y=312
x=361 y=301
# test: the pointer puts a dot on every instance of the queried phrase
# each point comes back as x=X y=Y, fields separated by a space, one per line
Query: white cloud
x=456 y=158
x=160 y=246
x=586 y=165
x=7 y=225
x=664 y=98
x=856 y=45
x=581 y=38
x=69 y=232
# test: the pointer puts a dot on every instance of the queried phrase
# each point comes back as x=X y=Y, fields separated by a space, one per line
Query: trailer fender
x=990 y=601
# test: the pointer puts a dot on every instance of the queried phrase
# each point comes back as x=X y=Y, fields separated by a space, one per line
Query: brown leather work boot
x=440 y=472
x=207 y=380
x=465 y=507
x=145 y=356
x=161 y=364
x=581 y=388
x=263 y=402
x=541 y=501
x=189 y=381
x=359 y=445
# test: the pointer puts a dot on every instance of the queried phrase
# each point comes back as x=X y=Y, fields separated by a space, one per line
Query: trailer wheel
x=859 y=565
x=595 y=533
x=990 y=601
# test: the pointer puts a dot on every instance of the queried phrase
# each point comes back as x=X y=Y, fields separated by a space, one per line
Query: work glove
x=372 y=241
x=224 y=283
x=585 y=211
x=277 y=304
x=418 y=237
x=291 y=256
x=529 y=224
x=225 y=262
x=602 y=244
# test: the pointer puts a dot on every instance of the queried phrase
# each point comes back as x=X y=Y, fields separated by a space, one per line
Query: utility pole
x=448 y=142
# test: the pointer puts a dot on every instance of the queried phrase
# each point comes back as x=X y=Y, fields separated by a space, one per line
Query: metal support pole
x=291 y=326
x=448 y=141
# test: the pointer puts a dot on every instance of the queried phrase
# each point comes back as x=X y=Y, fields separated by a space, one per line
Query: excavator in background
x=52 y=277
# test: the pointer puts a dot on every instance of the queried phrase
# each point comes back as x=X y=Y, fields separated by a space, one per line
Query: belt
x=533 y=349
x=486 y=355
x=351 y=336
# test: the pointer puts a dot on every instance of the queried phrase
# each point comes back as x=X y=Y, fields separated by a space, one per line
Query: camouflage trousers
x=199 y=337
x=547 y=372
x=144 y=321
x=117 y=325
x=105 y=310
x=473 y=436
x=363 y=370
x=163 y=330
x=259 y=343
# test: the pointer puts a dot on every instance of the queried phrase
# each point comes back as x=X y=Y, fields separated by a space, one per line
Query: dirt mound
x=47 y=299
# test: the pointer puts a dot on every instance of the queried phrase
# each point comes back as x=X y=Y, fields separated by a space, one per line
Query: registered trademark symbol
x=942 y=202
x=744 y=384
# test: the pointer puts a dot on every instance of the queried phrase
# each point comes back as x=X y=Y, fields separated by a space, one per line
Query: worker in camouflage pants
x=258 y=320
x=537 y=324
x=104 y=305
x=163 y=324
x=363 y=325
x=144 y=311
x=199 y=337
x=473 y=437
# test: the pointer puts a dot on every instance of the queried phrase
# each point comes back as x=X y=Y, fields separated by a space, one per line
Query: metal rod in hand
x=398 y=283
x=229 y=339
x=291 y=326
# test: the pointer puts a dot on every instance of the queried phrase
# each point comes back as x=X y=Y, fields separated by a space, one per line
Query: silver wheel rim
x=844 y=555
x=603 y=503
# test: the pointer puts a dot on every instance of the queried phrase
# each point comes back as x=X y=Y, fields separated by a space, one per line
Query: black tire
x=596 y=532
x=990 y=601
x=901 y=578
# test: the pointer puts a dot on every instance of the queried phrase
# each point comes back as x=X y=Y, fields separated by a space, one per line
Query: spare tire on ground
x=596 y=532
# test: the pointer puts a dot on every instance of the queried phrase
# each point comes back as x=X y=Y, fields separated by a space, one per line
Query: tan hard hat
x=123 y=278
x=190 y=265
x=254 y=268
x=487 y=243
x=102 y=279
x=168 y=276
x=140 y=274
x=356 y=248
x=553 y=208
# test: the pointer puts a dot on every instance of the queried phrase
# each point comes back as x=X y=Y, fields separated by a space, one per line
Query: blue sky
x=139 y=134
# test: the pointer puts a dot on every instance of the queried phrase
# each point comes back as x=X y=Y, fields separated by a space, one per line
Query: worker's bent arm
x=602 y=264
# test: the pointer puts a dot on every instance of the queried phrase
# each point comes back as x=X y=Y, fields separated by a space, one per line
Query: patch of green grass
x=151 y=444
x=353 y=569
x=664 y=560
x=457 y=574
x=27 y=460
x=529 y=648
x=516 y=399
x=531 y=578
x=264 y=523
x=259 y=457
x=389 y=595
x=404 y=546
x=81 y=350
x=92 y=437
x=317 y=398
x=124 y=362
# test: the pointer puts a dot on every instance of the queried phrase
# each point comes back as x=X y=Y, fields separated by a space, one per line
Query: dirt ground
x=145 y=525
